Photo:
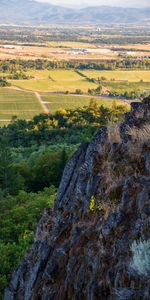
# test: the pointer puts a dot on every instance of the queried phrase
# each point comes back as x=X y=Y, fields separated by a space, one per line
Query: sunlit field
x=131 y=76
x=25 y=105
x=55 y=81
x=16 y=103
x=56 y=102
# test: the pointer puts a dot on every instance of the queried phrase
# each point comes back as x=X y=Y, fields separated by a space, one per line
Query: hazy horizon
x=83 y=3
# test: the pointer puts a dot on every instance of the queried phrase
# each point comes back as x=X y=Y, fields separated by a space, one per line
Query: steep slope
x=82 y=248
x=33 y=12
x=29 y=11
x=106 y=14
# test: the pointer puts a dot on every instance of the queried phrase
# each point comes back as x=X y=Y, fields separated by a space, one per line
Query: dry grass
x=110 y=179
x=135 y=47
x=114 y=172
x=109 y=195
x=53 y=52
x=114 y=134
x=140 y=137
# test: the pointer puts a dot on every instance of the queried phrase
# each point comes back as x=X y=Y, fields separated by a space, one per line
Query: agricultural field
x=25 y=105
x=56 y=102
x=68 y=44
x=54 y=81
x=58 y=51
x=69 y=80
x=136 y=47
x=65 y=50
x=17 y=103
x=57 y=42
x=130 y=76
x=120 y=87
x=42 y=93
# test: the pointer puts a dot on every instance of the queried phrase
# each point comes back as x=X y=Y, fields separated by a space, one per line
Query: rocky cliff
x=82 y=248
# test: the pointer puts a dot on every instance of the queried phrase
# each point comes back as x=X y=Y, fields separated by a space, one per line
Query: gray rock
x=147 y=162
x=82 y=254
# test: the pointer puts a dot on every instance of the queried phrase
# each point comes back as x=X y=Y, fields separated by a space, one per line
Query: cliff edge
x=85 y=247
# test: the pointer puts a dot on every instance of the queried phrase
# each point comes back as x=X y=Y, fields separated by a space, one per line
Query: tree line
x=14 y=65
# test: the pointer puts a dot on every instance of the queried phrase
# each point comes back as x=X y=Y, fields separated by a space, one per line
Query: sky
x=83 y=3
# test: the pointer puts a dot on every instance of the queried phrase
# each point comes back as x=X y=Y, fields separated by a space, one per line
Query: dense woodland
x=32 y=158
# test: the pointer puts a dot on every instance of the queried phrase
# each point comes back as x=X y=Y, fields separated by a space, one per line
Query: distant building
x=78 y=51
x=7 y=46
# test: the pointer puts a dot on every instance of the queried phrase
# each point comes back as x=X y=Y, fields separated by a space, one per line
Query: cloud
x=123 y=3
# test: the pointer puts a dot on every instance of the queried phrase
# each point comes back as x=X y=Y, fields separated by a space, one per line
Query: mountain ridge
x=36 y=13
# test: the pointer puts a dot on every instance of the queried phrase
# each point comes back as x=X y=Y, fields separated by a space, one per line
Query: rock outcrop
x=82 y=248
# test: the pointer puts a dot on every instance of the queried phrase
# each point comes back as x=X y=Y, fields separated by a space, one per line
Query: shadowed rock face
x=80 y=253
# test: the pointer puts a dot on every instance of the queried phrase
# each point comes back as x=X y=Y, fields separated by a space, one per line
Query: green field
x=131 y=76
x=17 y=103
x=70 y=80
x=55 y=102
x=25 y=105
x=54 y=81
x=127 y=86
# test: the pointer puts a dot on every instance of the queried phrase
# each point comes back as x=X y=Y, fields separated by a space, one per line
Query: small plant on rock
x=92 y=204
x=141 y=257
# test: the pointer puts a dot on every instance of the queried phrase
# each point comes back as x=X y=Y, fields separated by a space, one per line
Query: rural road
x=37 y=94
x=42 y=103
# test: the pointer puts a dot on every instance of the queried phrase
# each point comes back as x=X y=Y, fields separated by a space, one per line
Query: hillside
x=91 y=246
x=32 y=12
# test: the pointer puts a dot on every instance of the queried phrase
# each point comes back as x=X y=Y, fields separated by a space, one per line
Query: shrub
x=78 y=92
x=92 y=204
x=141 y=257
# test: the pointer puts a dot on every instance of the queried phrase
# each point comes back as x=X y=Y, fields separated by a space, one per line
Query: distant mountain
x=33 y=12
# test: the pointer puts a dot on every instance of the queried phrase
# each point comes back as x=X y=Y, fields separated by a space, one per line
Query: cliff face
x=82 y=248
